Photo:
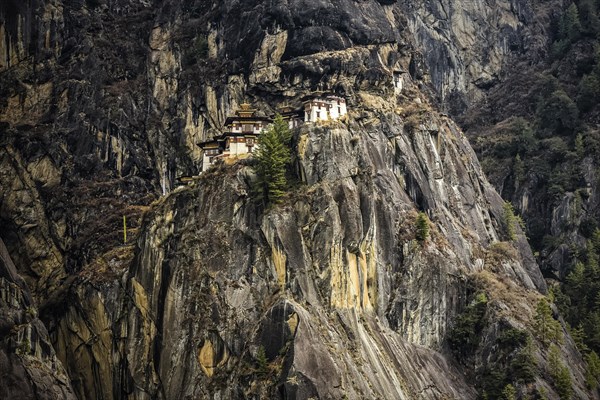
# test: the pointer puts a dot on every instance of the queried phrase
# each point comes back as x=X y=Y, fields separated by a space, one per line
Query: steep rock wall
x=28 y=365
x=332 y=284
x=467 y=46
x=335 y=267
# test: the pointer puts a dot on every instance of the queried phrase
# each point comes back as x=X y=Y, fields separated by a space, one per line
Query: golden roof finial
x=245 y=106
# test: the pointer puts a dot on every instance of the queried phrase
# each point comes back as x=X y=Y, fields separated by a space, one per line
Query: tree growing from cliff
x=272 y=158
x=422 y=227
x=545 y=327
x=560 y=374
x=509 y=393
x=262 y=361
x=510 y=221
x=592 y=374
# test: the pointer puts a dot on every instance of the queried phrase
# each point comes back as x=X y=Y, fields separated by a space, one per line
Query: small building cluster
x=242 y=130
x=324 y=108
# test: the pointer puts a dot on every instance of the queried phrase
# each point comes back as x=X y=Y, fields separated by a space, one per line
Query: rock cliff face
x=467 y=45
x=326 y=295
x=344 y=296
x=28 y=363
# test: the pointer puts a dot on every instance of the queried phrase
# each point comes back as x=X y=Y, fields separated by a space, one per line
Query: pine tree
x=570 y=26
x=545 y=327
x=590 y=23
x=588 y=92
x=422 y=227
x=560 y=374
x=510 y=221
x=592 y=374
x=579 y=147
x=557 y=114
x=509 y=392
x=272 y=158
x=578 y=335
x=262 y=361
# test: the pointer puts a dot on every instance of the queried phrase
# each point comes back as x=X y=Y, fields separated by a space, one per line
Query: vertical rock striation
x=28 y=365
x=326 y=295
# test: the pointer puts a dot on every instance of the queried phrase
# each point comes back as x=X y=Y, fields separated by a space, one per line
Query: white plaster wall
x=205 y=162
x=238 y=148
x=398 y=84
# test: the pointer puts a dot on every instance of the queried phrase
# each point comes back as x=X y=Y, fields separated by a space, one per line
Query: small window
x=318 y=114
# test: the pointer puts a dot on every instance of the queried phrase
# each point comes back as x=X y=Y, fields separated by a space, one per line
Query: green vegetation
x=578 y=299
x=546 y=329
x=197 y=51
x=273 y=157
x=512 y=364
x=261 y=361
x=422 y=227
x=554 y=129
x=509 y=392
x=592 y=373
x=547 y=143
x=465 y=335
x=558 y=114
x=509 y=368
x=510 y=221
x=560 y=374
x=24 y=347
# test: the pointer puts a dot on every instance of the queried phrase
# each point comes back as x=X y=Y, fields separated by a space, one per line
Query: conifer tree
x=570 y=26
x=510 y=221
x=422 y=227
x=560 y=374
x=272 y=158
x=545 y=327
x=509 y=393
x=592 y=374
x=588 y=16
x=262 y=361
x=588 y=92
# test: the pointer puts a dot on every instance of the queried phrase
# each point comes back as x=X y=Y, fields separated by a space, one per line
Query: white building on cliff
x=324 y=108
x=240 y=137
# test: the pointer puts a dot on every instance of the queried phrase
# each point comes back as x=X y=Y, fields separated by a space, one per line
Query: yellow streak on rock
x=279 y=261
x=209 y=360
x=293 y=323
x=353 y=282
x=206 y=358
x=370 y=285
x=141 y=302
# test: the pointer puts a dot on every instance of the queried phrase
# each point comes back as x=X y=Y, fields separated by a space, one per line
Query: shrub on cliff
x=272 y=158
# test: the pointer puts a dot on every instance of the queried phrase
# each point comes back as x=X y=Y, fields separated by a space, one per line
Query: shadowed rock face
x=28 y=365
x=105 y=111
